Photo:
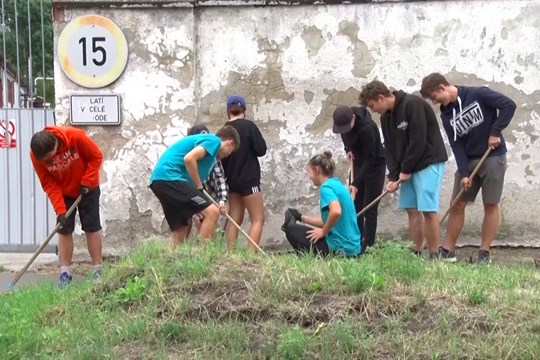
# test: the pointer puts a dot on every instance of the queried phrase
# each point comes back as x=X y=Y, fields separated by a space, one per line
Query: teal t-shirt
x=344 y=236
x=171 y=167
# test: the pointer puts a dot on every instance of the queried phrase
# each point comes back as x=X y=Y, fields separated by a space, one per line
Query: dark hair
x=198 y=129
x=372 y=90
x=42 y=143
x=325 y=162
x=431 y=83
x=235 y=110
x=227 y=132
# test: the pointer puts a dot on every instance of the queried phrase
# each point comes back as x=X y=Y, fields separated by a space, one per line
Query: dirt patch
x=132 y=350
x=225 y=298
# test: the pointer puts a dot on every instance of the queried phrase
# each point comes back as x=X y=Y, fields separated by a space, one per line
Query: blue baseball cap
x=235 y=99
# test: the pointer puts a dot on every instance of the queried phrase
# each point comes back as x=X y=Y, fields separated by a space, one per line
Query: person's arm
x=391 y=162
x=417 y=133
x=50 y=186
x=93 y=156
x=190 y=160
x=258 y=144
x=333 y=216
x=458 y=148
x=219 y=181
x=334 y=213
x=369 y=153
x=312 y=220
x=505 y=106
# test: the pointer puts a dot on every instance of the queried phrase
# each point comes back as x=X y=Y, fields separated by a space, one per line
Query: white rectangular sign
x=95 y=109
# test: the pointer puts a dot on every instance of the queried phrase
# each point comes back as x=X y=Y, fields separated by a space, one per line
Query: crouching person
x=216 y=185
x=177 y=181
x=336 y=229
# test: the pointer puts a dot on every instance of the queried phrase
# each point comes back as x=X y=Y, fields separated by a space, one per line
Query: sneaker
x=289 y=218
x=96 y=274
x=447 y=256
x=433 y=256
x=416 y=252
x=64 y=279
x=483 y=258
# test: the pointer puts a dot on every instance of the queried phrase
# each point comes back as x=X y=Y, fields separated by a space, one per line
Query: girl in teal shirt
x=336 y=229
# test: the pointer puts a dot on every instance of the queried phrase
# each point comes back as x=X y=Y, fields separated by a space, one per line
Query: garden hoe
x=235 y=224
x=370 y=205
x=43 y=245
x=471 y=177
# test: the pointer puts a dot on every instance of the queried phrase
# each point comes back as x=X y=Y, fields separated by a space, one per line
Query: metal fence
x=26 y=216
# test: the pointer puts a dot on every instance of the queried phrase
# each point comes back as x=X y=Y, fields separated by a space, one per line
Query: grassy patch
x=204 y=303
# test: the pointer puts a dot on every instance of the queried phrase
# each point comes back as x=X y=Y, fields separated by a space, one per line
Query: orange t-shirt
x=77 y=162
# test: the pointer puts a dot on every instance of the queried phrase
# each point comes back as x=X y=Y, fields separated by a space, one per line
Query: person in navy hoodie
x=474 y=118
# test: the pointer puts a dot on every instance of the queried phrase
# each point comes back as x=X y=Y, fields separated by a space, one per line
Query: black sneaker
x=433 y=256
x=289 y=219
x=64 y=280
x=483 y=257
x=416 y=252
x=447 y=256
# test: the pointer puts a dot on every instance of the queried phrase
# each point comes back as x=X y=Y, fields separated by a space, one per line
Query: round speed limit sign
x=92 y=51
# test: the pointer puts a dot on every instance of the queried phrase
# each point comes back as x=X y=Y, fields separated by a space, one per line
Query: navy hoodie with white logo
x=477 y=114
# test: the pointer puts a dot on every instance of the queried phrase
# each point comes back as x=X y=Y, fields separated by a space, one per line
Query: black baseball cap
x=343 y=116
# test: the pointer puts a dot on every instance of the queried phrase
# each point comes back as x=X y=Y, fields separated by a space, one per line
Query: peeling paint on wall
x=294 y=65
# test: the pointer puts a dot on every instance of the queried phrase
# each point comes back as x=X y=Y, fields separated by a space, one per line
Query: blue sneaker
x=96 y=274
x=64 y=279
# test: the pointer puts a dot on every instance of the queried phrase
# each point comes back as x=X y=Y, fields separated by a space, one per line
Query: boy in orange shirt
x=67 y=163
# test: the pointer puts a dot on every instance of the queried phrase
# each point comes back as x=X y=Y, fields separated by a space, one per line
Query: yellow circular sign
x=92 y=51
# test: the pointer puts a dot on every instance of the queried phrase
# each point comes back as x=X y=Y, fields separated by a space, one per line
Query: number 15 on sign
x=92 y=51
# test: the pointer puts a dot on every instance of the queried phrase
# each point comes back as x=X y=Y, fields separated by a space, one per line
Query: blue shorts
x=423 y=189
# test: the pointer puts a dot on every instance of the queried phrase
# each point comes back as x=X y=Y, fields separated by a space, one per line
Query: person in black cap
x=243 y=173
x=362 y=141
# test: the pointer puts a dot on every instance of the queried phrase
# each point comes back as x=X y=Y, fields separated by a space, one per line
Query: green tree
x=26 y=39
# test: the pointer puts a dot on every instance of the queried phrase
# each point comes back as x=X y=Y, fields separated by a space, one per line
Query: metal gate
x=26 y=59
x=26 y=216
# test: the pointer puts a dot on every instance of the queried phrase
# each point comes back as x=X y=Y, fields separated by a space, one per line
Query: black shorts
x=246 y=191
x=88 y=213
x=180 y=201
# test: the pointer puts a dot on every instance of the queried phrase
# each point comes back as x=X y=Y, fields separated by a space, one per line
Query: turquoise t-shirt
x=344 y=236
x=171 y=167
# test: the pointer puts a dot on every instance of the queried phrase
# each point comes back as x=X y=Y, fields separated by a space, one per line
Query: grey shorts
x=490 y=178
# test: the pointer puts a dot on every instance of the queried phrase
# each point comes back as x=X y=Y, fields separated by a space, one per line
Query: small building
x=9 y=84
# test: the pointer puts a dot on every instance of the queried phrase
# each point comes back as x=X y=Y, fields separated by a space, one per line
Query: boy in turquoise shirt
x=177 y=180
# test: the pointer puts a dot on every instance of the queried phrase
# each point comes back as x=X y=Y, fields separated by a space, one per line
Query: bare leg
x=236 y=212
x=65 y=249
x=178 y=236
x=208 y=225
x=416 y=228
x=456 y=220
x=431 y=230
x=94 y=241
x=255 y=208
x=489 y=226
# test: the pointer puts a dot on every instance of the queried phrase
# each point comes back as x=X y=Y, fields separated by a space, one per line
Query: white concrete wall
x=294 y=64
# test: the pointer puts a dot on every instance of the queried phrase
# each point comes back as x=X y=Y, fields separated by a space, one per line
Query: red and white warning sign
x=5 y=130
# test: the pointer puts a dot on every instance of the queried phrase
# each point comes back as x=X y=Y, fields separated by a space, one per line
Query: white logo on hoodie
x=467 y=119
